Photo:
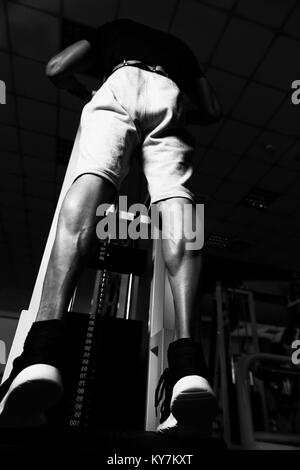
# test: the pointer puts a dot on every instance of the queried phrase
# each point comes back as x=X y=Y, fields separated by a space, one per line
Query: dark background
x=249 y=50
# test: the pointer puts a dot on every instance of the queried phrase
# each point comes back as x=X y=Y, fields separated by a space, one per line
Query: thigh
x=168 y=148
x=168 y=165
x=108 y=138
x=84 y=196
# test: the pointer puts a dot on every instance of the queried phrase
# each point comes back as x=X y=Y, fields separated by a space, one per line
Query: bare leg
x=183 y=265
x=76 y=232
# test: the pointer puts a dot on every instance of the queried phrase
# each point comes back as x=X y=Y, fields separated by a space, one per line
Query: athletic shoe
x=35 y=383
x=189 y=405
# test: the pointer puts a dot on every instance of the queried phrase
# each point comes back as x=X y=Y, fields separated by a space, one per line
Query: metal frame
x=221 y=356
x=249 y=438
x=160 y=329
x=28 y=316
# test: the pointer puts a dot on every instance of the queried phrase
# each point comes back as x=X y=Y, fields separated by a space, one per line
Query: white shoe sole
x=193 y=403
x=34 y=390
x=171 y=428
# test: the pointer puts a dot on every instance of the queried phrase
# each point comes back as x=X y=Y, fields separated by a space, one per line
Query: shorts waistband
x=137 y=63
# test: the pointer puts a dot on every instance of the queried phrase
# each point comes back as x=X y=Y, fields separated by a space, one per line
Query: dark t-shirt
x=126 y=39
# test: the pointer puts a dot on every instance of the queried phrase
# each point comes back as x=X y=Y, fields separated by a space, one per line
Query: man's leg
x=76 y=232
x=189 y=404
x=183 y=266
x=35 y=383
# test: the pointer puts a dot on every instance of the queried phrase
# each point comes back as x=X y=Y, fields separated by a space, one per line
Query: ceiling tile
x=292 y=25
x=60 y=173
x=70 y=101
x=68 y=124
x=3 y=32
x=226 y=86
x=278 y=68
x=41 y=40
x=266 y=219
x=38 y=145
x=278 y=180
x=52 y=6
x=91 y=83
x=31 y=80
x=252 y=43
x=229 y=229
x=14 y=224
x=209 y=225
x=39 y=169
x=38 y=188
x=39 y=224
x=294 y=247
x=291 y=159
x=290 y=224
x=294 y=190
x=5 y=70
x=221 y=3
x=204 y=134
x=5 y=255
x=235 y=137
x=8 y=138
x=231 y=192
x=202 y=184
x=13 y=200
x=94 y=13
x=12 y=183
x=37 y=116
x=251 y=231
x=37 y=206
x=269 y=147
x=285 y=205
x=243 y=215
x=10 y=162
x=7 y=111
x=269 y=12
x=286 y=120
x=58 y=190
x=216 y=163
x=217 y=209
x=199 y=26
x=248 y=171
x=257 y=97
x=146 y=12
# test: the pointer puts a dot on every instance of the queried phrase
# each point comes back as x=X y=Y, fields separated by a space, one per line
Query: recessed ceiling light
x=270 y=148
x=217 y=240
x=259 y=199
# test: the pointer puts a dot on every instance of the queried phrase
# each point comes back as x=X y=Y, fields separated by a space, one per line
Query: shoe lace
x=164 y=389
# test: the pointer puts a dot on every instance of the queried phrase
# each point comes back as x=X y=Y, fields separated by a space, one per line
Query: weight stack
x=104 y=384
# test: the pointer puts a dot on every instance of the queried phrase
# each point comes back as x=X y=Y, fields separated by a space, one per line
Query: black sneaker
x=190 y=405
x=35 y=383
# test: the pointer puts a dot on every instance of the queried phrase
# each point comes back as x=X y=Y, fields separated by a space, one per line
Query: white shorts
x=137 y=109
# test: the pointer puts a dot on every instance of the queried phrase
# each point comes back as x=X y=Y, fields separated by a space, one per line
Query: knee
x=72 y=218
x=174 y=252
x=178 y=231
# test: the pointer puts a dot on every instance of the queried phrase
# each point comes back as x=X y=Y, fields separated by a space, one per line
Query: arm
x=74 y=59
x=206 y=107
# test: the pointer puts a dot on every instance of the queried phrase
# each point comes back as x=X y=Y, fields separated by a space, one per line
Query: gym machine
x=105 y=386
x=247 y=378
